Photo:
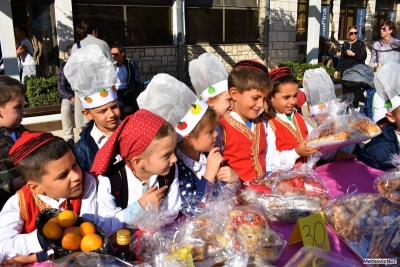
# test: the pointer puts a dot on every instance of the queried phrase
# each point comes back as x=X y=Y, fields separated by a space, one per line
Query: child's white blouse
x=106 y=201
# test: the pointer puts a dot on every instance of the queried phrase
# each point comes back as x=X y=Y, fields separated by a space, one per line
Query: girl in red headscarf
x=136 y=168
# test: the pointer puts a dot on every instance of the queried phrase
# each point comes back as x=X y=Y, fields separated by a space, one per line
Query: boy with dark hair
x=128 y=79
x=93 y=75
x=243 y=133
x=12 y=100
x=54 y=180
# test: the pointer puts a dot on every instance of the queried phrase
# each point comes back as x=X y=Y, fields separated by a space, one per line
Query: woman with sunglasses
x=353 y=53
x=387 y=48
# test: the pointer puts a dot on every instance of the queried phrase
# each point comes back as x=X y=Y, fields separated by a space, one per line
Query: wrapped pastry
x=343 y=130
x=249 y=232
x=315 y=257
x=368 y=223
x=388 y=184
x=295 y=194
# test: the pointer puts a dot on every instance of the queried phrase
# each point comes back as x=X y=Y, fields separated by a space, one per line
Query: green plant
x=42 y=91
x=298 y=68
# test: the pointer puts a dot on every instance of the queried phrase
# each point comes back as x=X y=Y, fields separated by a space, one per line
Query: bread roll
x=373 y=130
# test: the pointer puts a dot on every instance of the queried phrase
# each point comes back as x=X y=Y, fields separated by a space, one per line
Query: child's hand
x=20 y=260
x=227 y=174
x=304 y=151
x=344 y=155
x=152 y=196
x=214 y=161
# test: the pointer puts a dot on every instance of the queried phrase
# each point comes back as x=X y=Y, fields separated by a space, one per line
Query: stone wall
x=282 y=33
x=153 y=60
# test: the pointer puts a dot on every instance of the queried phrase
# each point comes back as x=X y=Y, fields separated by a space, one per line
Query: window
x=384 y=10
x=145 y=25
x=348 y=16
x=149 y=26
x=218 y=21
x=302 y=18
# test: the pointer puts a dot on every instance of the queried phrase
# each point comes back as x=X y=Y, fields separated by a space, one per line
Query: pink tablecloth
x=339 y=175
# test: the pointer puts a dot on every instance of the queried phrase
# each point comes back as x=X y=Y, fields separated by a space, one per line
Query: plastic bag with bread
x=388 y=184
x=343 y=130
x=356 y=218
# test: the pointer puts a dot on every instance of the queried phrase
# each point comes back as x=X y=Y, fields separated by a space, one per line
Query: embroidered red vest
x=30 y=205
x=287 y=137
x=244 y=151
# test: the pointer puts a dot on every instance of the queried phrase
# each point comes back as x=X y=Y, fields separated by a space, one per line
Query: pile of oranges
x=75 y=238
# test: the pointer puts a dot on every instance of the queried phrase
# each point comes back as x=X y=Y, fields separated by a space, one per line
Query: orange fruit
x=54 y=219
x=91 y=242
x=67 y=218
x=52 y=231
x=71 y=241
x=87 y=228
x=71 y=229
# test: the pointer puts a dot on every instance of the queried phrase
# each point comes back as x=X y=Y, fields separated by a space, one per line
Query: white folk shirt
x=13 y=242
x=106 y=203
x=285 y=160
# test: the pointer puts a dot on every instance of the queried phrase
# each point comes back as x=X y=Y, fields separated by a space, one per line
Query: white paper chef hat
x=172 y=100
x=93 y=75
x=387 y=84
x=319 y=90
x=208 y=76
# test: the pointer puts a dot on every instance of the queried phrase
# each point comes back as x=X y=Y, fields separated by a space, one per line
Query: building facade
x=164 y=35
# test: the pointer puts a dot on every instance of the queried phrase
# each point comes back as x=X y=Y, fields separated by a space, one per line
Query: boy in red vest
x=242 y=132
x=53 y=180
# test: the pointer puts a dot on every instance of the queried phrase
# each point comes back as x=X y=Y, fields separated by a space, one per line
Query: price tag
x=312 y=231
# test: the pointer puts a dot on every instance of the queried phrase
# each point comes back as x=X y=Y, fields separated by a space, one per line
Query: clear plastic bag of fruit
x=310 y=256
x=343 y=130
x=45 y=215
x=388 y=184
x=84 y=259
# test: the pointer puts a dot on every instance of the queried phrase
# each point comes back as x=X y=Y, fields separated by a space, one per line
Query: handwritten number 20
x=313 y=237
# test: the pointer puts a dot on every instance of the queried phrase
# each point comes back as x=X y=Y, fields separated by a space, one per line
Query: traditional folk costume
x=93 y=76
x=244 y=144
x=18 y=234
x=284 y=133
x=175 y=102
x=119 y=189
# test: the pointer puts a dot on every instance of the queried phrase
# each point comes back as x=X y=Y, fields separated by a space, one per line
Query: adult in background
x=67 y=104
x=387 y=48
x=25 y=53
x=353 y=53
x=128 y=79
x=88 y=30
